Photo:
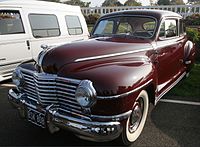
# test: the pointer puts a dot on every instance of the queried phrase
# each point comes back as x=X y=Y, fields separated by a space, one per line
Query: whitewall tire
x=135 y=123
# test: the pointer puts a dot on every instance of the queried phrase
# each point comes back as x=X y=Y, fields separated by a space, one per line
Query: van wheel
x=136 y=121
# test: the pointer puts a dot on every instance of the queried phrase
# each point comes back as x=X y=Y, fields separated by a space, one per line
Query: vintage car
x=101 y=88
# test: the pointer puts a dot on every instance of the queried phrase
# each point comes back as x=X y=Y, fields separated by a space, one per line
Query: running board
x=169 y=88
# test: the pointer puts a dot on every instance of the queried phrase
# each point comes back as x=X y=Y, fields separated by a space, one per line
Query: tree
x=132 y=3
x=151 y=2
x=111 y=3
x=163 y=2
x=78 y=3
x=177 y=2
x=194 y=1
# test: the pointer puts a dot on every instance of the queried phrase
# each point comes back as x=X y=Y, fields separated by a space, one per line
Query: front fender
x=114 y=79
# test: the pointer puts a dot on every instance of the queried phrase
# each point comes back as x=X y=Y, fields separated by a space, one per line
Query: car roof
x=146 y=12
x=39 y=5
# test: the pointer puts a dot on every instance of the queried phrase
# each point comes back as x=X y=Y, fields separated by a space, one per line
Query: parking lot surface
x=173 y=122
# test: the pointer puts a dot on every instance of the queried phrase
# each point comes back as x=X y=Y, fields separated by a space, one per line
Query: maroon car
x=101 y=88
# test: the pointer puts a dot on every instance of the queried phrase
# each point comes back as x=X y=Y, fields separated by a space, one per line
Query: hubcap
x=136 y=115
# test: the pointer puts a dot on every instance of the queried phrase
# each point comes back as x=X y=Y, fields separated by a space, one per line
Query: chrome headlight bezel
x=18 y=79
x=86 y=94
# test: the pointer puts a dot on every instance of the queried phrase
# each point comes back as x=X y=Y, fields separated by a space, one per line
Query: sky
x=95 y=3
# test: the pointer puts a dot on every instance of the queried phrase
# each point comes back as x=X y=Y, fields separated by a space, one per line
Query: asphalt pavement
x=171 y=123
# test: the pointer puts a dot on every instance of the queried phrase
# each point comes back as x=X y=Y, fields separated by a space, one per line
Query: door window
x=44 y=25
x=105 y=27
x=181 y=27
x=10 y=22
x=168 y=28
x=73 y=25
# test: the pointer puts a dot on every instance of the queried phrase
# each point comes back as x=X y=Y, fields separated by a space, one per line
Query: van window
x=74 y=25
x=44 y=25
x=10 y=22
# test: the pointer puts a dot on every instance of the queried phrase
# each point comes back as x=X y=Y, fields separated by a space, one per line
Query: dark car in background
x=101 y=88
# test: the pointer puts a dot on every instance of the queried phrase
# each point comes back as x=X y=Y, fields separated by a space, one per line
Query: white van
x=26 y=25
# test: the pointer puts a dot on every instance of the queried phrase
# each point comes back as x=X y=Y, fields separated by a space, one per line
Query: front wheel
x=136 y=121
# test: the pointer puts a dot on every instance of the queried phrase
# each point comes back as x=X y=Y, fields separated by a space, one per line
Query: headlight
x=18 y=79
x=85 y=94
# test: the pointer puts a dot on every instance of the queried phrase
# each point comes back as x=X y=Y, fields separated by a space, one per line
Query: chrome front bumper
x=104 y=130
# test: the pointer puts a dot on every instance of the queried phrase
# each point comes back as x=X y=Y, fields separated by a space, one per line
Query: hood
x=91 y=50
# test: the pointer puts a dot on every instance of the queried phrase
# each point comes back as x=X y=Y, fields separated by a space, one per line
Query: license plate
x=36 y=117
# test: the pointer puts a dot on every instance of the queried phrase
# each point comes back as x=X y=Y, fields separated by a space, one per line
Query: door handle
x=28 y=44
x=155 y=52
x=180 y=44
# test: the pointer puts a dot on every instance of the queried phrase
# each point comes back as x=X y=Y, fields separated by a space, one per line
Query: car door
x=13 y=41
x=170 y=54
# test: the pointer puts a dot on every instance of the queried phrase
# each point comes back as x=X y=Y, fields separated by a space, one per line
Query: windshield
x=126 y=26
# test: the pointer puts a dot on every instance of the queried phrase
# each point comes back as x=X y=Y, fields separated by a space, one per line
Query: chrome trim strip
x=118 y=117
x=43 y=53
x=169 y=88
x=90 y=123
x=111 y=55
x=49 y=77
x=165 y=45
x=124 y=94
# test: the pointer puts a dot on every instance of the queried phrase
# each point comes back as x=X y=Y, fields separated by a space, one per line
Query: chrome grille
x=49 y=89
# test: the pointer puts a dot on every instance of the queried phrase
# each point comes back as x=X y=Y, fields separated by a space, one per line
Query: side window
x=10 y=22
x=44 y=25
x=105 y=27
x=171 y=28
x=124 y=28
x=162 y=30
x=181 y=27
x=73 y=25
x=168 y=28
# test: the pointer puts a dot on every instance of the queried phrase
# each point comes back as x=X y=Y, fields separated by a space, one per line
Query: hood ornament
x=44 y=46
x=41 y=55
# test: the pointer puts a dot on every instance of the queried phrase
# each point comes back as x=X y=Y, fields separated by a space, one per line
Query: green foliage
x=132 y=3
x=194 y=35
x=170 y=2
x=163 y=2
x=78 y=3
x=177 y=2
x=193 y=19
x=111 y=3
x=190 y=86
x=92 y=18
x=194 y=1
